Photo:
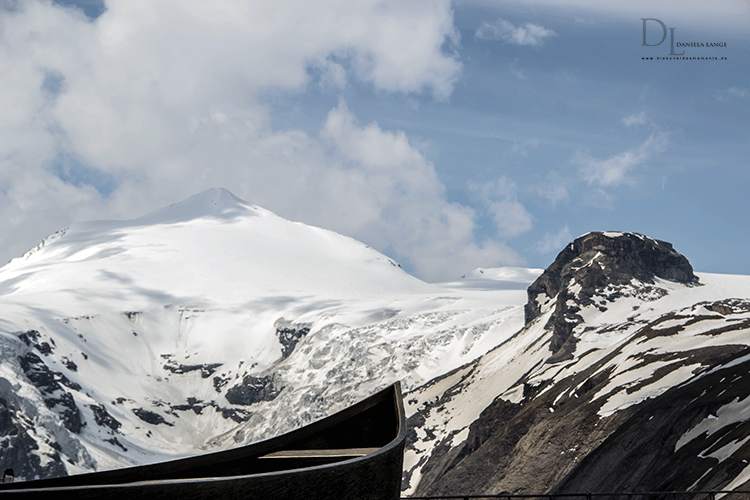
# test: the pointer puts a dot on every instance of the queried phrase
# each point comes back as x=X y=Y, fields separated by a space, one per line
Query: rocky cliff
x=629 y=374
x=596 y=269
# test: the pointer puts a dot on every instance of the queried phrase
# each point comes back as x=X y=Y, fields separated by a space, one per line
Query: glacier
x=214 y=323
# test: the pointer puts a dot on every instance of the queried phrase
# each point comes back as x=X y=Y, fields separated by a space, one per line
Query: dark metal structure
x=354 y=454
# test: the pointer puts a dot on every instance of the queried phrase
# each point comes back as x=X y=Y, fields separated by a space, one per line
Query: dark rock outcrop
x=235 y=414
x=252 y=390
x=19 y=451
x=150 y=417
x=206 y=369
x=643 y=453
x=32 y=338
x=555 y=442
x=103 y=418
x=193 y=404
x=598 y=268
x=289 y=335
x=50 y=384
x=570 y=432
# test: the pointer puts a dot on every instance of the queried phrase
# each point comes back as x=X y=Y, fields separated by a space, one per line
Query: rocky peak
x=597 y=268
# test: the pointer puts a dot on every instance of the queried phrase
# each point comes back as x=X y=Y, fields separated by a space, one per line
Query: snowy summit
x=209 y=323
x=212 y=247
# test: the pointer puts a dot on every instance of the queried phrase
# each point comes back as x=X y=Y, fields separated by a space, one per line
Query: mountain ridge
x=213 y=323
x=127 y=342
x=596 y=267
x=640 y=345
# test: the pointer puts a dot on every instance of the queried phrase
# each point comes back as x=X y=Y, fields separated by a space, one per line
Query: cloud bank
x=528 y=34
x=149 y=104
x=617 y=169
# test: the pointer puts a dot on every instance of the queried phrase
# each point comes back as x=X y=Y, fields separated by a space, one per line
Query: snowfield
x=152 y=322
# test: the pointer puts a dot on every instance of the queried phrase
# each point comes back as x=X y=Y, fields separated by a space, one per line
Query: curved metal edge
x=275 y=442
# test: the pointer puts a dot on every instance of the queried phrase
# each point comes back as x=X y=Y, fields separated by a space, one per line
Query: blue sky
x=448 y=136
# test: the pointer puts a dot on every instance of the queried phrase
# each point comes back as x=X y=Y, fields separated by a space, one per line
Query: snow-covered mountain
x=208 y=324
x=213 y=323
x=630 y=374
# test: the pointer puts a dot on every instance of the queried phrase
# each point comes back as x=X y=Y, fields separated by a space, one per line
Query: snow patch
x=736 y=411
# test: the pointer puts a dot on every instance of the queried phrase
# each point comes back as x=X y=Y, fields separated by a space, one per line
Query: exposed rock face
x=253 y=390
x=19 y=451
x=558 y=438
x=654 y=450
x=50 y=384
x=289 y=335
x=150 y=417
x=598 y=268
x=206 y=369
x=32 y=338
x=656 y=398
x=103 y=418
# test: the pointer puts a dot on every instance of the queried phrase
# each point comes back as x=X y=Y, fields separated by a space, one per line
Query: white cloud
x=635 y=119
x=528 y=34
x=553 y=242
x=553 y=192
x=140 y=102
x=732 y=93
x=615 y=170
x=389 y=194
x=501 y=202
x=163 y=102
x=151 y=63
x=332 y=74
x=521 y=149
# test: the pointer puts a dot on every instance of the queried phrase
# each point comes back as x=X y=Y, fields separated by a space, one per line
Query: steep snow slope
x=210 y=249
x=208 y=324
x=650 y=394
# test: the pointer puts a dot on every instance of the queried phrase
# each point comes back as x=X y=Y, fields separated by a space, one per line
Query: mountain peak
x=212 y=248
x=597 y=268
x=218 y=203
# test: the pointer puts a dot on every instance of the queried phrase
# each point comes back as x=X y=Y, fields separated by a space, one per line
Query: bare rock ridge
x=596 y=269
x=657 y=401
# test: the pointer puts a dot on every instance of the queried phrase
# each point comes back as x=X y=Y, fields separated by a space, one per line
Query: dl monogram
x=664 y=36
